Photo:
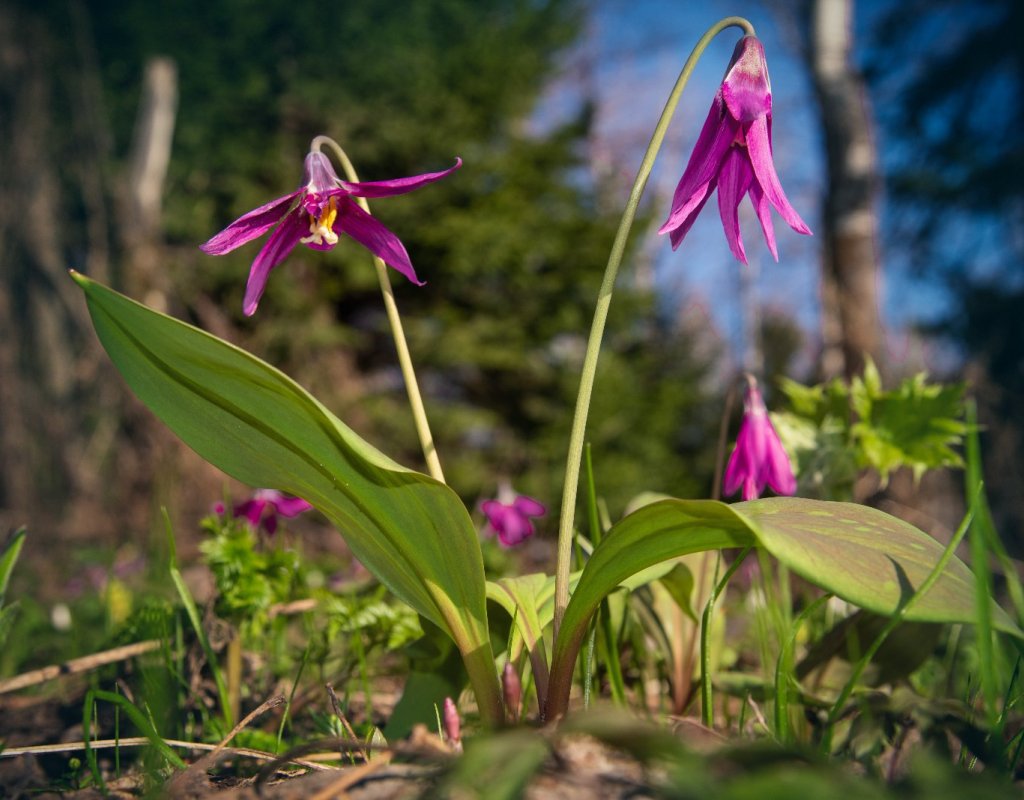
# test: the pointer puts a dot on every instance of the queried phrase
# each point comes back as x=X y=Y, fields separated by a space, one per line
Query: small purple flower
x=734 y=155
x=511 y=521
x=265 y=506
x=315 y=215
x=759 y=459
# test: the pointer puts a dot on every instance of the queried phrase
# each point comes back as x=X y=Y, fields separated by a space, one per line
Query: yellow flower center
x=320 y=229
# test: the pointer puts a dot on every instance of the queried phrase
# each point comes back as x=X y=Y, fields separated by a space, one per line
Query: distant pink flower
x=315 y=215
x=511 y=521
x=759 y=459
x=265 y=506
x=734 y=155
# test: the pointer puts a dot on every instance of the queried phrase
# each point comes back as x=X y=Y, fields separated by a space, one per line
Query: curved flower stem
x=419 y=413
x=579 y=423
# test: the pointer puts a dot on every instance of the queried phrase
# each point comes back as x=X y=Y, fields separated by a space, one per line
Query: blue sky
x=629 y=58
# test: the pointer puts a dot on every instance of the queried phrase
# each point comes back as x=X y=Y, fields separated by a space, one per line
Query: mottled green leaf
x=860 y=554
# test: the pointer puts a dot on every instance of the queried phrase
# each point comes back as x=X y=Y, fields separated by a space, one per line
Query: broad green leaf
x=865 y=557
x=860 y=554
x=259 y=426
x=648 y=536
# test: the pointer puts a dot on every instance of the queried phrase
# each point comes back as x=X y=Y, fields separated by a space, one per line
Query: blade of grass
x=138 y=719
x=288 y=706
x=976 y=495
x=784 y=671
x=707 y=710
x=193 y=615
x=8 y=559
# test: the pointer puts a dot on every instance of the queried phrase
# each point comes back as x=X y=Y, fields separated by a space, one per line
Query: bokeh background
x=131 y=131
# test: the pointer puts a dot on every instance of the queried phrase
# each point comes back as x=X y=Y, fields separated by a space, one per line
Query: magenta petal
x=778 y=472
x=249 y=226
x=715 y=138
x=320 y=174
x=746 y=90
x=764 y=215
x=676 y=235
x=291 y=506
x=278 y=246
x=527 y=505
x=390 y=188
x=252 y=510
x=733 y=182
x=760 y=148
x=372 y=235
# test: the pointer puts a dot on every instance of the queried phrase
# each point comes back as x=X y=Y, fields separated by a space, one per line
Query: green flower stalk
x=604 y=300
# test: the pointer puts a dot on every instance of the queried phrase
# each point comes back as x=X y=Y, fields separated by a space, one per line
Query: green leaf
x=259 y=426
x=865 y=557
x=8 y=559
x=914 y=425
x=860 y=554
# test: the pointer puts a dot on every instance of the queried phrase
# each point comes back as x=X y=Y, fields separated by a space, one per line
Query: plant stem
x=707 y=708
x=419 y=413
x=579 y=423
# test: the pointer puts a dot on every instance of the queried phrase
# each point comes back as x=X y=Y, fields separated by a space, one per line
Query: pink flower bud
x=512 y=690
x=452 y=724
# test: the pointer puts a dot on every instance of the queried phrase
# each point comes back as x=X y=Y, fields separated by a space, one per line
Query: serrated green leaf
x=915 y=425
x=259 y=426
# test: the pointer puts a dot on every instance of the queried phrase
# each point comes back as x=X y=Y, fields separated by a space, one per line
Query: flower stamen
x=321 y=229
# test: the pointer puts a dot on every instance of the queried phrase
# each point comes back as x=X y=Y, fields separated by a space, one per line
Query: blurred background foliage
x=512 y=245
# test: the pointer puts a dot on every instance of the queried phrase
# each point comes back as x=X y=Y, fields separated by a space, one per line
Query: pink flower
x=511 y=521
x=759 y=459
x=315 y=215
x=734 y=155
x=265 y=506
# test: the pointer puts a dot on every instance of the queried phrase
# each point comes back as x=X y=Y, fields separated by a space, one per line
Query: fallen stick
x=75 y=665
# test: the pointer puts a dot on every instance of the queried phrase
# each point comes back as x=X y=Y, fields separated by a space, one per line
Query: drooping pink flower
x=759 y=458
x=734 y=155
x=315 y=215
x=265 y=506
x=511 y=521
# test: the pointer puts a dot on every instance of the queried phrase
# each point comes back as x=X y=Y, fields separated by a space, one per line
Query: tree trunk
x=850 y=281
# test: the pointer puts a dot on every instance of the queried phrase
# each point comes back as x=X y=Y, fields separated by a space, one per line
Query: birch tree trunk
x=851 y=325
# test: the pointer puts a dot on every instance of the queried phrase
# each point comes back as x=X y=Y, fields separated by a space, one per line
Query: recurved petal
x=395 y=186
x=291 y=506
x=527 y=505
x=278 y=246
x=319 y=172
x=733 y=182
x=715 y=138
x=676 y=235
x=763 y=210
x=746 y=90
x=759 y=145
x=372 y=235
x=252 y=510
x=248 y=226
x=739 y=466
x=778 y=468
